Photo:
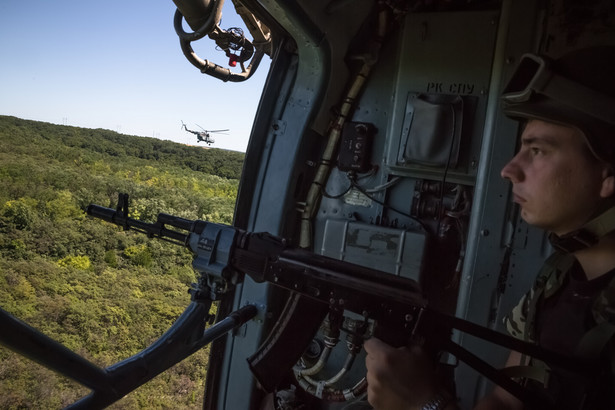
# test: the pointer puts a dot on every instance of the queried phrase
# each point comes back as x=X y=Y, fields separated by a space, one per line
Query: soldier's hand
x=398 y=378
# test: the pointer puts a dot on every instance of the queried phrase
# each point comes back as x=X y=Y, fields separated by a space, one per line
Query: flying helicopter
x=203 y=135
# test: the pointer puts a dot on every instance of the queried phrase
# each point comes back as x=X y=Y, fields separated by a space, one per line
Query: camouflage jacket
x=520 y=322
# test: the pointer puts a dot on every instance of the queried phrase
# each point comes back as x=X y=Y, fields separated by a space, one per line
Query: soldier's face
x=556 y=181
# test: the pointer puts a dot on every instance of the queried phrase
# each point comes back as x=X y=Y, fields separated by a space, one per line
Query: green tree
x=101 y=291
x=20 y=212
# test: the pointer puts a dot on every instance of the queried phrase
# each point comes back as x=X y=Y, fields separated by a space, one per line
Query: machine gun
x=392 y=308
x=394 y=305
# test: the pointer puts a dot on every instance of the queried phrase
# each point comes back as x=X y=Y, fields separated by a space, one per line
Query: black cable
x=336 y=196
x=446 y=168
x=364 y=192
x=352 y=176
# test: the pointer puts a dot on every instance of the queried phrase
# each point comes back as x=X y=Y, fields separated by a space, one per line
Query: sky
x=118 y=65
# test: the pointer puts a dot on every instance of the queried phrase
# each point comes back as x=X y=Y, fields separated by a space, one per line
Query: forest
x=101 y=291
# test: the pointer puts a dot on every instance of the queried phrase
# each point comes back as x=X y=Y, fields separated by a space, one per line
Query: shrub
x=77 y=262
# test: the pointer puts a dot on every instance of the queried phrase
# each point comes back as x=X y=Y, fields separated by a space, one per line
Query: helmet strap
x=587 y=236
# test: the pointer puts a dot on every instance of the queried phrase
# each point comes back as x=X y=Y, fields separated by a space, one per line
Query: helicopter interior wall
x=411 y=192
x=457 y=63
x=277 y=155
x=430 y=66
x=441 y=57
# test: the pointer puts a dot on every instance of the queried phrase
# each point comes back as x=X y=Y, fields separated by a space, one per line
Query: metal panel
x=396 y=251
x=483 y=289
x=463 y=42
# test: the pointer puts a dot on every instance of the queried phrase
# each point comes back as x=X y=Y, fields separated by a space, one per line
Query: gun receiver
x=395 y=305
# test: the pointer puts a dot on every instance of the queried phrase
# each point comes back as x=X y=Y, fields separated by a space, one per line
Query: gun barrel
x=151 y=229
x=181 y=223
x=106 y=214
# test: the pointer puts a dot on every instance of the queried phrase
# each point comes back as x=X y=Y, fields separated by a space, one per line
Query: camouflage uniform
x=596 y=342
x=520 y=322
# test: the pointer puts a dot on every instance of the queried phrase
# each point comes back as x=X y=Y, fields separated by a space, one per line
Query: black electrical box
x=356 y=145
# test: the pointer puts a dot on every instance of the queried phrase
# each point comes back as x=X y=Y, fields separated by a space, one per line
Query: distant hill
x=213 y=161
x=102 y=292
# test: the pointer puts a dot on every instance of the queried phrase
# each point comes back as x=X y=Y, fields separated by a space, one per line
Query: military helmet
x=577 y=89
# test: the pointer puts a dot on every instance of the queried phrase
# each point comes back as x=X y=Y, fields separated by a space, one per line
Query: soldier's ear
x=608 y=182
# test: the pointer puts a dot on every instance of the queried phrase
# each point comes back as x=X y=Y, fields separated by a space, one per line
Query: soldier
x=564 y=182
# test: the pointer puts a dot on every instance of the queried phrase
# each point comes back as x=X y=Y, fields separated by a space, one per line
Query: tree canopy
x=102 y=292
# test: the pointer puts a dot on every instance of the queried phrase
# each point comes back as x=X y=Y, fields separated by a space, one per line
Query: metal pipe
x=322 y=173
x=29 y=342
x=197 y=14
x=221 y=73
x=322 y=360
x=179 y=342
